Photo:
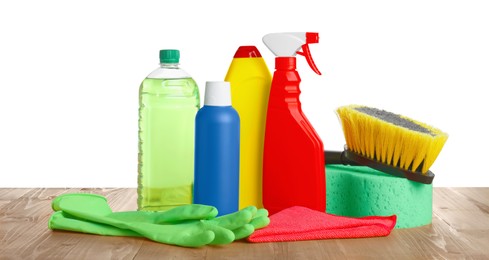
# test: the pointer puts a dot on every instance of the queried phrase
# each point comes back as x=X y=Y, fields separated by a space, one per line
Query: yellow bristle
x=391 y=144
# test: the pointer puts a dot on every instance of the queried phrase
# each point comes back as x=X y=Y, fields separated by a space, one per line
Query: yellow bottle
x=250 y=87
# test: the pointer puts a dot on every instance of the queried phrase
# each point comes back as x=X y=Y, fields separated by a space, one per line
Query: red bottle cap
x=247 y=52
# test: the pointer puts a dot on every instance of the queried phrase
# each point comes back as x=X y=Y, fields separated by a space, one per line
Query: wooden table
x=460 y=230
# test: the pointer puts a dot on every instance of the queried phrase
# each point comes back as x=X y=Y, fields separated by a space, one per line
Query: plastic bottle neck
x=285 y=63
x=169 y=65
x=285 y=89
x=169 y=71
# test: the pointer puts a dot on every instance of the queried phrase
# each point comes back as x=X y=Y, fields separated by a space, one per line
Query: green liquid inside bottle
x=166 y=142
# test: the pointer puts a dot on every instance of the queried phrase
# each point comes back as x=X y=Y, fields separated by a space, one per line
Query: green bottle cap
x=169 y=56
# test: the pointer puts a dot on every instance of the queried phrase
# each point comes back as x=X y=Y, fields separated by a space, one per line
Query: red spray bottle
x=293 y=160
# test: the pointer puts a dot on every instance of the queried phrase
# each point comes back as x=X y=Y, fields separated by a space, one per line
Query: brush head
x=391 y=139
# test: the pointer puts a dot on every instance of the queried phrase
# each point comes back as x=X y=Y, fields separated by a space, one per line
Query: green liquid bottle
x=168 y=102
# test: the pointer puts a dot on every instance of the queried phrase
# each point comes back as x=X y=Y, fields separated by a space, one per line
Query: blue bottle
x=216 y=174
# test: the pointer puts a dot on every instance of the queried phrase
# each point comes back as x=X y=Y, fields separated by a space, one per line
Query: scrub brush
x=388 y=142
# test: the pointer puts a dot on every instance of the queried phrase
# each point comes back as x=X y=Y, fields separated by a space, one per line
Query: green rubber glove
x=63 y=221
x=189 y=225
x=175 y=215
x=241 y=229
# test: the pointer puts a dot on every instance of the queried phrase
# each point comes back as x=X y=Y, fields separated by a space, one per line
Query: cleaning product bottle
x=293 y=161
x=168 y=102
x=217 y=150
x=250 y=87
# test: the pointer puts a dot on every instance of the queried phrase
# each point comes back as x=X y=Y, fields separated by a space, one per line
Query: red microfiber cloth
x=300 y=223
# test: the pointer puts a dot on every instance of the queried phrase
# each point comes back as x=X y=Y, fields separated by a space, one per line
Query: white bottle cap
x=217 y=93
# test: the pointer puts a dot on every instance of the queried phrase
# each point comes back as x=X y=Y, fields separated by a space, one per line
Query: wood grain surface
x=460 y=230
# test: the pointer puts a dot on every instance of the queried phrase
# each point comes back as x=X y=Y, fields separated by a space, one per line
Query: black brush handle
x=347 y=157
x=337 y=157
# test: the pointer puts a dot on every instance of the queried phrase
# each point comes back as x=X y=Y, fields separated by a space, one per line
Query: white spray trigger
x=288 y=45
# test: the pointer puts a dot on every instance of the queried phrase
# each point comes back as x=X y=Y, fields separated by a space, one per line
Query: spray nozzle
x=289 y=44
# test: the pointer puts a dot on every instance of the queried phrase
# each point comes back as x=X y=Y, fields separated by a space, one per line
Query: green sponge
x=358 y=191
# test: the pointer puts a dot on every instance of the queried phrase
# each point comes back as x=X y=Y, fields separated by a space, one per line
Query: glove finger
x=202 y=238
x=252 y=209
x=234 y=220
x=135 y=216
x=173 y=216
x=187 y=212
x=261 y=213
x=193 y=234
x=260 y=222
x=244 y=231
x=223 y=236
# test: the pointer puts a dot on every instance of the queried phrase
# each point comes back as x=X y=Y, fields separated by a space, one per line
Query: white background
x=70 y=73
